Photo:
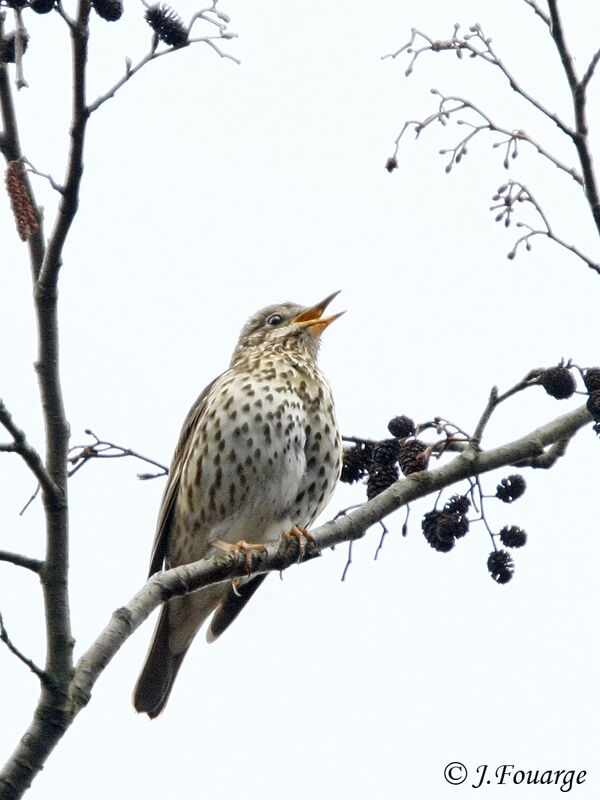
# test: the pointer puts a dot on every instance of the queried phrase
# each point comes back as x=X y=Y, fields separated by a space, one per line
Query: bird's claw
x=302 y=536
x=249 y=550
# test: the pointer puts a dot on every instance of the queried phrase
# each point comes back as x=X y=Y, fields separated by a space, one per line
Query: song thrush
x=259 y=455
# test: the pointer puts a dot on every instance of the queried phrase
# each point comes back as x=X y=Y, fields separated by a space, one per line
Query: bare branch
x=578 y=91
x=81 y=454
x=447 y=111
x=513 y=193
x=43 y=676
x=21 y=561
x=476 y=45
x=28 y=453
x=205 y=15
x=591 y=68
x=494 y=401
x=541 y=14
x=56 y=186
x=11 y=150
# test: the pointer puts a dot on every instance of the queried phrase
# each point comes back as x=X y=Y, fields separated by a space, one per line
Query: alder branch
x=43 y=734
x=345 y=528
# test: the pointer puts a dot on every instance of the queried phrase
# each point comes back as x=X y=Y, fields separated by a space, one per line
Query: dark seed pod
x=501 y=566
x=391 y=164
x=513 y=536
x=593 y=405
x=591 y=379
x=436 y=533
x=401 y=427
x=352 y=465
x=442 y=528
x=386 y=452
x=8 y=47
x=510 y=488
x=16 y=3
x=558 y=382
x=412 y=457
x=458 y=503
x=167 y=25
x=42 y=6
x=356 y=462
x=110 y=10
x=381 y=479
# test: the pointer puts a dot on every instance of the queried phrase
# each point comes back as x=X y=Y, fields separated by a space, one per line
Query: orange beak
x=312 y=319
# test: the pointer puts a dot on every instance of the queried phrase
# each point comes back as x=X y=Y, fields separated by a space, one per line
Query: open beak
x=312 y=318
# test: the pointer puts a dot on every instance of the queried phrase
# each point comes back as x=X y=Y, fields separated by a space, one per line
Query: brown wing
x=163 y=527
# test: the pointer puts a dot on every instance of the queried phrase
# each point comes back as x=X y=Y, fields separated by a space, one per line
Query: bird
x=258 y=457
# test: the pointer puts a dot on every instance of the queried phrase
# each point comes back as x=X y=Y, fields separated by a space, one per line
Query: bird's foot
x=249 y=550
x=302 y=536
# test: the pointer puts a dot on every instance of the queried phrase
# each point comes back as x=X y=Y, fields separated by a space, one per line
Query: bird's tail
x=179 y=622
x=160 y=670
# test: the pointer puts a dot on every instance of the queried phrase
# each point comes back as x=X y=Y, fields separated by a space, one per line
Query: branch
x=42 y=735
x=11 y=150
x=130 y=70
x=28 y=453
x=578 y=92
x=21 y=561
x=16 y=652
x=103 y=449
x=278 y=557
x=513 y=193
x=477 y=45
x=541 y=14
x=591 y=68
x=446 y=111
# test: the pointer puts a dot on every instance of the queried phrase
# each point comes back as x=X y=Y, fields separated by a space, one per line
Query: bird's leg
x=302 y=536
x=242 y=546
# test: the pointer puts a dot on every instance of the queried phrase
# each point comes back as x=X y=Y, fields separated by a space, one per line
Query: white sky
x=211 y=190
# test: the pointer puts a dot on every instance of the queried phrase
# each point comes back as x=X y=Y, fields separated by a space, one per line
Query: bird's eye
x=275 y=319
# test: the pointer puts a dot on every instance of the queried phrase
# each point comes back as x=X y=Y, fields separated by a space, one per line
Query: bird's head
x=284 y=327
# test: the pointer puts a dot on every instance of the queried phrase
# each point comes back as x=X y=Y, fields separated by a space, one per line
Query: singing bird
x=258 y=457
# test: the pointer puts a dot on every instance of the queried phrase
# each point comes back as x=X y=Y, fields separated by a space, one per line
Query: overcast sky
x=211 y=190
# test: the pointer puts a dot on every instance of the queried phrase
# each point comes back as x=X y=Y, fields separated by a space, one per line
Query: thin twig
x=28 y=453
x=104 y=449
x=477 y=45
x=131 y=70
x=590 y=70
x=384 y=533
x=541 y=14
x=56 y=186
x=348 y=561
x=494 y=401
x=41 y=674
